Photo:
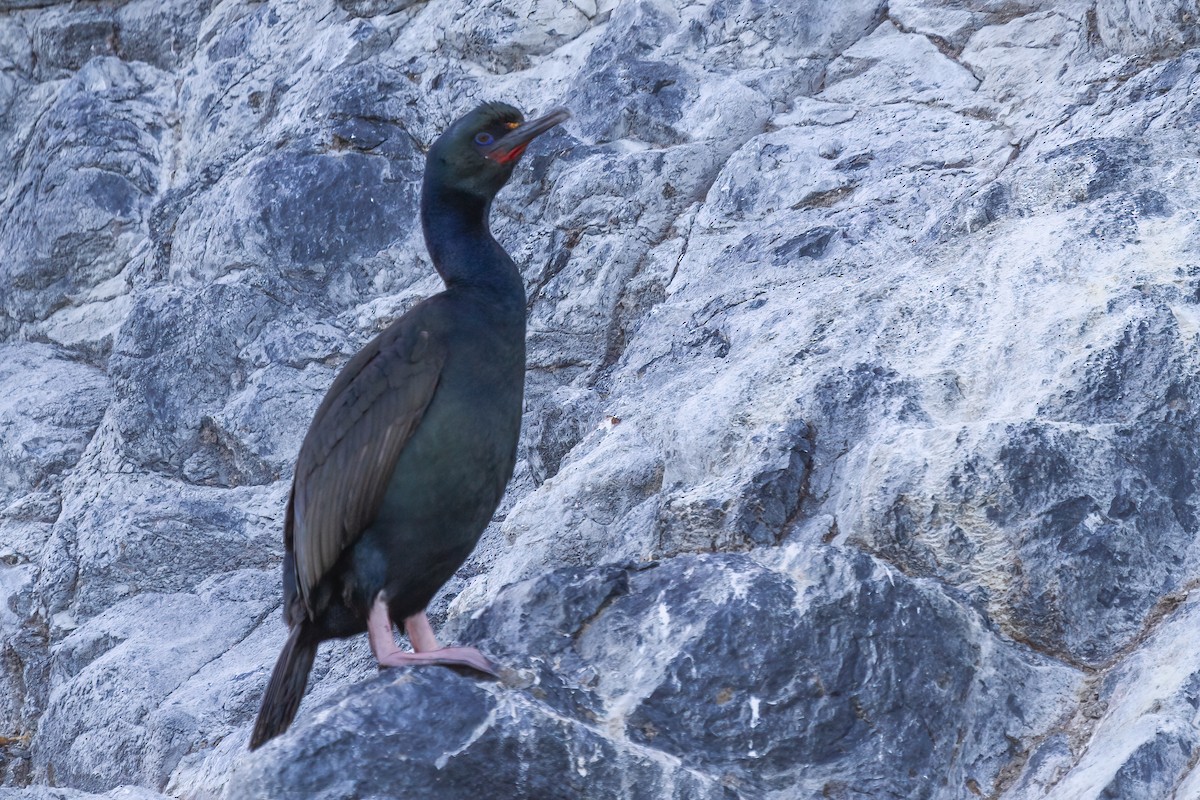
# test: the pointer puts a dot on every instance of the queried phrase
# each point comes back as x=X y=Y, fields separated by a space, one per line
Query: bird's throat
x=461 y=245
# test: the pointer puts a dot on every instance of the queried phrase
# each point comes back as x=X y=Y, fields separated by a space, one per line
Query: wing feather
x=350 y=452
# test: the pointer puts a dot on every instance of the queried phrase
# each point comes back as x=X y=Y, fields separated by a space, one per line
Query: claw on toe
x=471 y=658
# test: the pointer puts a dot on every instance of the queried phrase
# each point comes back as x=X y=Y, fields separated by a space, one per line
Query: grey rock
x=951 y=23
x=751 y=34
x=859 y=453
x=1159 y=29
x=524 y=749
x=506 y=36
x=163 y=34
x=50 y=405
x=72 y=220
x=704 y=705
x=65 y=40
x=142 y=734
x=46 y=793
x=371 y=8
x=1151 y=721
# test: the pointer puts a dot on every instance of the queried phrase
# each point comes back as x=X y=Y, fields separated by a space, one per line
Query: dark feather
x=356 y=436
x=286 y=689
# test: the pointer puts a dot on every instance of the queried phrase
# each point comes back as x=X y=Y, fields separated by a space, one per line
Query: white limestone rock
x=861 y=356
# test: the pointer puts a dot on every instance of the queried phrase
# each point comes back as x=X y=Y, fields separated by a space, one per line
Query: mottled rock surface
x=860 y=452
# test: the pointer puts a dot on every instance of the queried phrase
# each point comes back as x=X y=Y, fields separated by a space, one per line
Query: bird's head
x=478 y=152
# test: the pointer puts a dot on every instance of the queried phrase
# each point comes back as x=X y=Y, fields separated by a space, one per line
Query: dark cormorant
x=407 y=457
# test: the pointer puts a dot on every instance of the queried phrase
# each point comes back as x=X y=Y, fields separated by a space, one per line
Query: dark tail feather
x=282 y=698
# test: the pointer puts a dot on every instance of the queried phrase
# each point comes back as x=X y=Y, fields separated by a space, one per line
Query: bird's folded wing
x=356 y=436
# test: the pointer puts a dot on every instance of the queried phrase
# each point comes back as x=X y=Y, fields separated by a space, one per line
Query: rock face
x=860 y=454
x=665 y=681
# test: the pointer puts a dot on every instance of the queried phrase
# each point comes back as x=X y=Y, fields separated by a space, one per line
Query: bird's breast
x=452 y=473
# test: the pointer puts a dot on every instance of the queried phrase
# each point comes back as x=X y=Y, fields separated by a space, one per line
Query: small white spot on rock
x=830 y=149
x=64 y=621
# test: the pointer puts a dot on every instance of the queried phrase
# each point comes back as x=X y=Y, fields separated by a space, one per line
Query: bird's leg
x=379 y=631
x=420 y=633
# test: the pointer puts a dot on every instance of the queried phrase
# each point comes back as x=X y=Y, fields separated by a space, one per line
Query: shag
x=408 y=455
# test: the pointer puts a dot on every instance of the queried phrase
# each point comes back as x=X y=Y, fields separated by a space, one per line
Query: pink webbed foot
x=420 y=634
x=467 y=657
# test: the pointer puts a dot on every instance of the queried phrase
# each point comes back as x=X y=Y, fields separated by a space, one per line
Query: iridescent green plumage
x=408 y=455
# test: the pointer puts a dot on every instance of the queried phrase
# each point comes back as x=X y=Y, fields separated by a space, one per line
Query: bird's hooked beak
x=511 y=145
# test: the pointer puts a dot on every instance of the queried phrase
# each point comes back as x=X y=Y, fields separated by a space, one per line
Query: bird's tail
x=282 y=698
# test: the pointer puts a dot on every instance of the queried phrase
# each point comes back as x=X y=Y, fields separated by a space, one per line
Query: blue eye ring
x=483 y=138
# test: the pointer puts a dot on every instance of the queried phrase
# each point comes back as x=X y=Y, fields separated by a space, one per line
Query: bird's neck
x=462 y=247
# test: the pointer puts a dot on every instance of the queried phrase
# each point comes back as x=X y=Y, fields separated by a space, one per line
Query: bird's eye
x=484 y=138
